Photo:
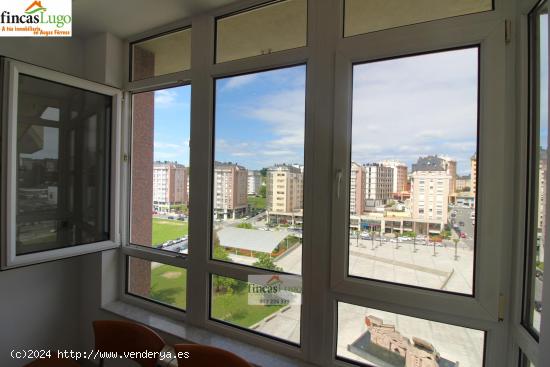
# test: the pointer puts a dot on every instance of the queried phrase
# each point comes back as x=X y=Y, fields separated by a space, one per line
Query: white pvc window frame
x=10 y=259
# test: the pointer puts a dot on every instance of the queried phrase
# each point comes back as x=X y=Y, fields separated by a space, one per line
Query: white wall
x=41 y=305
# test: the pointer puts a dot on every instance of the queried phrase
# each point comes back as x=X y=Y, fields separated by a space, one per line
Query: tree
x=219 y=252
x=263 y=172
x=266 y=262
x=263 y=191
x=225 y=285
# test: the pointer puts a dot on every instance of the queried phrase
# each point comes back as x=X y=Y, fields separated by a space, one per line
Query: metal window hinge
x=507 y=30
x=125 y=157
x=501 y=307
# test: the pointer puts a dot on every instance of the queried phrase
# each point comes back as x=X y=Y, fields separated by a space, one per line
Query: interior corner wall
x=40 y=304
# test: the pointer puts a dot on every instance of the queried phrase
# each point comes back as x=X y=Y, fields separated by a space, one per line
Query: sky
x=403 y=108
x=543 y=41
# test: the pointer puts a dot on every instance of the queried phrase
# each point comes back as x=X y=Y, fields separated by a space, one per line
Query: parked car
x=462 y=235
x=461 y=224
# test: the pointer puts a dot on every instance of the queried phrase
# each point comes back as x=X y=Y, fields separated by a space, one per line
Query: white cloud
x=165 y=97
x=239 y=81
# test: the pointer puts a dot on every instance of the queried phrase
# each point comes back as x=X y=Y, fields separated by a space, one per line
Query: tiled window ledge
x=258 y=356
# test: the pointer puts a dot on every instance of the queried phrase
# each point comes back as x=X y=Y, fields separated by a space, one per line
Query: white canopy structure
x=251 y=239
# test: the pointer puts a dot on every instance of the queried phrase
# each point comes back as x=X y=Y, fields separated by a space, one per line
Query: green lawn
x=168 y=285
x=256 y=202
x=168 y=229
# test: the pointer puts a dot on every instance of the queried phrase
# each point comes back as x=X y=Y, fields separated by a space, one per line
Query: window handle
x=338 y=182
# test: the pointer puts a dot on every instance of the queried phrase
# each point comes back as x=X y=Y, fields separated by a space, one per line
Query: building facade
x=357 y=189
x=463 y=183
x=254 y=182
x=473 y=174
x=400 y=172
x=230 y=190
x=169 y=186
x=284 y=189
x=378 y=184
x=435 y=163
x=429 y=200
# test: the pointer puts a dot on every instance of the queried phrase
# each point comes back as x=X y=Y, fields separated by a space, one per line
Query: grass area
x=234 y=308
x=168 y=229
x=540 y=265
x=168 y=285
x=256 y=202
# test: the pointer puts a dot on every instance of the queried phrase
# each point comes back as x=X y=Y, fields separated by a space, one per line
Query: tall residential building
x=429 y=199
x=230 y=190
x=285 y=186
x=357 y=189
x=543 y=167
x=169 y=185
x=463 y=182
x=473 y=173
x=378 y=184
x=399 y=181
x=436 y=163
x=254 y=182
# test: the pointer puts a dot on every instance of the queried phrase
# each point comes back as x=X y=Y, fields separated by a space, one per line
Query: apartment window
x=155 y=281
x=365 y=16
x=252 y=134
x=538 y=166
x=59 y=155
x=259 y=31
x=386 y=110
x=161 y=55
x=373 y=337
x=160 y=147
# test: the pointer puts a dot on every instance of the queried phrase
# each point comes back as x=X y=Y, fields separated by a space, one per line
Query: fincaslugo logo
x=274 y=290
x=36 y=18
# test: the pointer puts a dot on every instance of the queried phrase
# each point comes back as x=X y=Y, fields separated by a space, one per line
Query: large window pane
x=230 y=303
x=364 y=16
x=159 y=282
x=260 y=131
x=161 y=55
x=539 y=167
x=63 y=163
x=413 y=170
x=384 y=339
x=160 y=169
x=263 y=30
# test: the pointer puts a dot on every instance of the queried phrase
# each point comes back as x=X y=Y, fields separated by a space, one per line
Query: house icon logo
x=274 y=281
x=35 y=7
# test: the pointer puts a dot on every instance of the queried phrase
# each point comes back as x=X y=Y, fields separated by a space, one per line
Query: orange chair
x=206 y=356
x=126 y=336
x=53 y=362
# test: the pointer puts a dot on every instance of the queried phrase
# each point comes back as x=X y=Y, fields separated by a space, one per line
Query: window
x=231 y=303
x=160 y=169
x=379 y=338
x=260 y=30
x=260 y=122
x=158 y=282
x=161 y=55
x=364 y=16
x=433 y=133
x=538 y=169
x=59 y=143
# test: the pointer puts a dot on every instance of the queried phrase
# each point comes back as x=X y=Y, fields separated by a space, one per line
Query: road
x=463 y=215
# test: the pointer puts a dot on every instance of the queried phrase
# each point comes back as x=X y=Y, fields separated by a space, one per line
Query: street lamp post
x=455 y=240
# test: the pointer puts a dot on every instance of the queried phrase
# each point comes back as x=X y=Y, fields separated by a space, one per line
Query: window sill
x=258 y=356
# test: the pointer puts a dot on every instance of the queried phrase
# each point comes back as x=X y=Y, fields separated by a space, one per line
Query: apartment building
x=230 y=190
x=285 y=188
x=437 y=163
x=463 y=182
x=254 y=182
x=400 y=171
x=378 y=184
x=170 y=182
x=543 y=167
x=357 y=189
x=429 y=200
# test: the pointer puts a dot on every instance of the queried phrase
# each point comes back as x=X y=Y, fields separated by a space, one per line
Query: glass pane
x=524 y=360
x=161 y=55
x=276 y=27
x=414 y=134
x=159 y=282
x=364 y=16
x=539 y=167
x=384 y=339
x=230 y=303
x=160 y=169
x=260 y=121
x=63 y=151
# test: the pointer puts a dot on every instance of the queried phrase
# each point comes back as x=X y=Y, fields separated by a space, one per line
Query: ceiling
x=125 y=18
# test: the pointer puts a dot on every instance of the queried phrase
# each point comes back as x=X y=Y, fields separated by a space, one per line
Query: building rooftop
x=251 y=239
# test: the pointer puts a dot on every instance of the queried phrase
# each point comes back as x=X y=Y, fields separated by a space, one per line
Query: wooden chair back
x=207 y=356
x=125 y=336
